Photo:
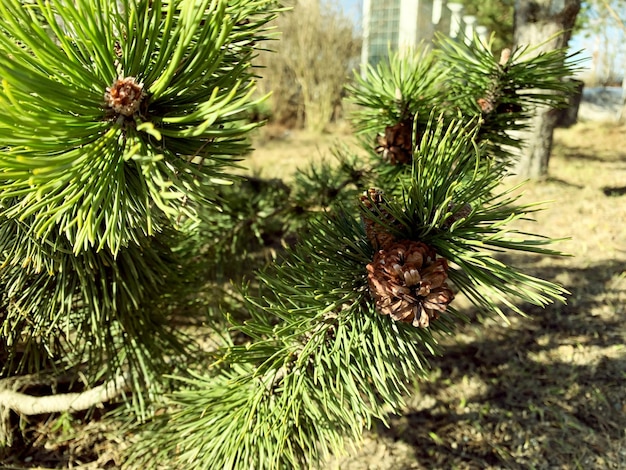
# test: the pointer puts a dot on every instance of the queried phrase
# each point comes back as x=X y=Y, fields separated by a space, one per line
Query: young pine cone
x=408 y=283
x=124 y=96
x=499 y=103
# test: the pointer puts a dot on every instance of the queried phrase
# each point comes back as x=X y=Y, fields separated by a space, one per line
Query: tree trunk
x=547 y=23
x=621 y=115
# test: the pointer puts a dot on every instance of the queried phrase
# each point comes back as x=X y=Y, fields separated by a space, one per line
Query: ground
x=544 y=391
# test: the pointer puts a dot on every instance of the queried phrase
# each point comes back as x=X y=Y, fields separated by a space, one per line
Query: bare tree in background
x=616 y=10
x=605 y=21
x=546 y=24
x=316 y=52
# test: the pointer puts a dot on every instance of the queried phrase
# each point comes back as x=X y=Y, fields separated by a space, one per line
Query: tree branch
x=33 y=405
x=614 y=14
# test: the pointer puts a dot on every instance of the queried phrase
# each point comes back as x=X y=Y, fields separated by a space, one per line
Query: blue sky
x=352 y=7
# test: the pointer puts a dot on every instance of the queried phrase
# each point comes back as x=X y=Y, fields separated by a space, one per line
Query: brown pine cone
x=124 y=96
x=396 y=146
x=408 y=283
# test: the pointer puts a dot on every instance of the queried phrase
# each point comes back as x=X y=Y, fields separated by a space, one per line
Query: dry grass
x=279 y=152
x=543 y=392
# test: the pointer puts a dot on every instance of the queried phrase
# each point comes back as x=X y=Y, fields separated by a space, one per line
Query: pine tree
x=123 y=124
x=121 y=121
x=342 y=325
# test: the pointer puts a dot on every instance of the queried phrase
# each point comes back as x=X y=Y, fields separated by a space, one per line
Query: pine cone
x=124 y=96
x=458 y=213
x=396 y=146
x=505 y=56
x=408 y=283
x=377 y=234
x=509 y=108
x=486 y=104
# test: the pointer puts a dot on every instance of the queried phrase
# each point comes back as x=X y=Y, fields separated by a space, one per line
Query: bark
x=547 y=23
x=24 y=404
x=569 y=116
x=621 y=116
x=33 y=405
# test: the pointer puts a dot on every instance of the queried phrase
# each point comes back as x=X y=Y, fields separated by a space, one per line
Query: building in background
x=403 y=24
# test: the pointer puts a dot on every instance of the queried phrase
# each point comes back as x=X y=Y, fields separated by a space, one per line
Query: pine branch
x=76 y=309
x=121 y=120
x=504 y=91
x=459 y=81
x=66 y=402
x=137 y=108
x=406 y=86
x=327 y=352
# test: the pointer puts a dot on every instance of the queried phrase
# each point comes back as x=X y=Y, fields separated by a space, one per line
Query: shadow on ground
x=614 y=191
x=582 y=154
x=545 y=392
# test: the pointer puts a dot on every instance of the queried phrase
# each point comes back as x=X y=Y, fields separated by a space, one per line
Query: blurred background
x=322 y=43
